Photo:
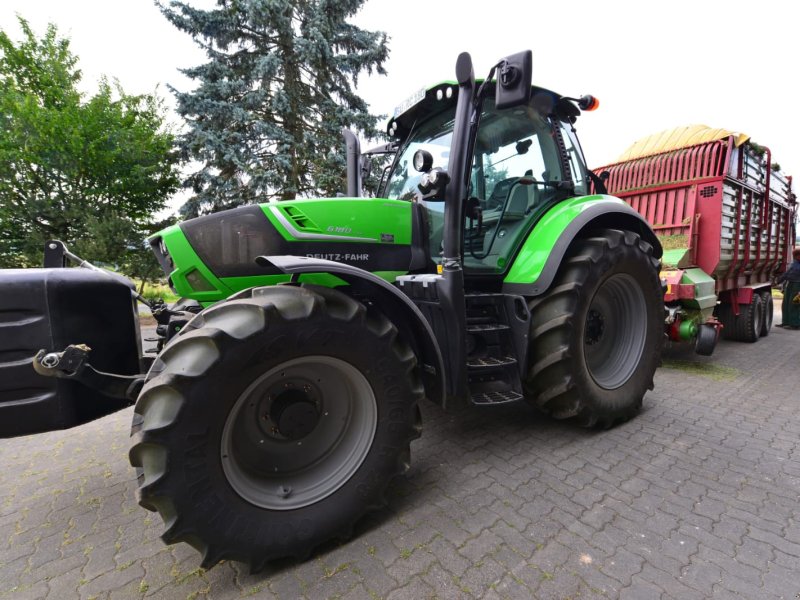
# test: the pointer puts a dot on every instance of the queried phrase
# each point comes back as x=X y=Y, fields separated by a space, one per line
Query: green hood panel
x=188 y=266
x=211 y=257
x=369 y=220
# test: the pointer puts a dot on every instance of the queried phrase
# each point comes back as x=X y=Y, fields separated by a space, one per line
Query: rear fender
x=543 y=251
x=397 y=307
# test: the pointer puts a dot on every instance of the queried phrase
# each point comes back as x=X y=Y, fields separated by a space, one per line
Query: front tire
x=596 y=335
x=273 y=422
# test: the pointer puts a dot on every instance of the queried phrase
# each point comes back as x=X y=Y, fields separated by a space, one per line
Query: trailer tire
x=768 y=312
x=273 y=422
x=706 y=339
x=747 y=326
x=596 y=335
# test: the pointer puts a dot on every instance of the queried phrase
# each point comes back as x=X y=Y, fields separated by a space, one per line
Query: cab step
x=484 y=327
x=494 y=398
x=490 y=362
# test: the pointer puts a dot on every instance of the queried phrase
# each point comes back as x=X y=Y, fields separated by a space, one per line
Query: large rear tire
x=273 y=422
x=747 y=326
x=596 y=335
x=768 y=309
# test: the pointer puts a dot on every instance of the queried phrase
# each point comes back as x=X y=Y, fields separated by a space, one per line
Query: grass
x=673 y=242
x=331 y=572
x=712 y=371
x=153 y=291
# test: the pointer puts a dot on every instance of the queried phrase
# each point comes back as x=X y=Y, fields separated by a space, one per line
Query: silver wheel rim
x=615 y=331
x=299 y=432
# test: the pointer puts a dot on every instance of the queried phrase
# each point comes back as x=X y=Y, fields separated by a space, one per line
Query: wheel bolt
x=285 y=491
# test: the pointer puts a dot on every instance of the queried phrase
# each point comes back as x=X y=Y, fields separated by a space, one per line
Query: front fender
x=543 y=251
x=391 y=301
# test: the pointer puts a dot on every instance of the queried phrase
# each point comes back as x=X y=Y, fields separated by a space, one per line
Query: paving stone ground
x=697 y=497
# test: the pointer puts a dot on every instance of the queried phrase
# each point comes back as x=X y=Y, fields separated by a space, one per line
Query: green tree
x=88 y=171
x=264 y=120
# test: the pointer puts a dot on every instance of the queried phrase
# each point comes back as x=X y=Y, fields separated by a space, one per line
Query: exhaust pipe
x=353 y=158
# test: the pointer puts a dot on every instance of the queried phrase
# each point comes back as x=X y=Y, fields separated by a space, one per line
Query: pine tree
x=265 y=119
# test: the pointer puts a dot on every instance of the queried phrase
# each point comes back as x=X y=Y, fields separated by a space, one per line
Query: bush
x=154 y=291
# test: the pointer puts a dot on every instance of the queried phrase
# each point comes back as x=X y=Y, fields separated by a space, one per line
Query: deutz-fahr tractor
x=491 y=268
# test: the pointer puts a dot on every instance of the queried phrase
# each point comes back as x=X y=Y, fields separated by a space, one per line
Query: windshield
x=524 y=161
x=434 y=136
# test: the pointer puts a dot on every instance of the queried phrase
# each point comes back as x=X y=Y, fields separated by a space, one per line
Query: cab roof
x=434 y=100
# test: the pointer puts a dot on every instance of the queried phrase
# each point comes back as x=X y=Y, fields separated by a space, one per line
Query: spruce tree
x=264 y=120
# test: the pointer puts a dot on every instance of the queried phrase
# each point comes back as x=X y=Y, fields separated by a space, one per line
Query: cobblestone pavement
x=697 y=497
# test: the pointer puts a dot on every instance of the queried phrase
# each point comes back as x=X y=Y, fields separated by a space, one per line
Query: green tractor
x=285 y=392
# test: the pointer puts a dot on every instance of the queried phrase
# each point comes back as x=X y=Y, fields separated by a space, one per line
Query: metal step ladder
x=493 y=368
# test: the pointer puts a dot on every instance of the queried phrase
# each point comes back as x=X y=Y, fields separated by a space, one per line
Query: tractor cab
x=524 y=160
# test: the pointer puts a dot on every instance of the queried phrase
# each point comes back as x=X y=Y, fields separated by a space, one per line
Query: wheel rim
x=615 y=331
x=299 y=432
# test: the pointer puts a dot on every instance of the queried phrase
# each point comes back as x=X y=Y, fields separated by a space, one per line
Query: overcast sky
x=653 y=65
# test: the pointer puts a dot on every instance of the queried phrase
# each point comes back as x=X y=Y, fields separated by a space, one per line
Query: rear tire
x=273 y=422
x=596 y=336
x=768 y=309
x=747 y=326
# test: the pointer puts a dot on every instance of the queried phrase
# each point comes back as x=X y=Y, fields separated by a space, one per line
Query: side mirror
x=514 y=80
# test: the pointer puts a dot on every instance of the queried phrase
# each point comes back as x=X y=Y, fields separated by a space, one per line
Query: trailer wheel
x=273 y=422
x=596 y=335
x=768 y=312
x=747 y=326
x=706 y=340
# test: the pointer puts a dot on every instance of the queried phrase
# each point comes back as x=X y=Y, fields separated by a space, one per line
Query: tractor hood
x=210 y=257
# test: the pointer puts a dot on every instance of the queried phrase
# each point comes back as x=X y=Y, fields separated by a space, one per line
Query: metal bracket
x=71 y=363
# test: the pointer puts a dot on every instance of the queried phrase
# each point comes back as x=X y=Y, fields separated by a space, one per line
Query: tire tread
x=287 y=304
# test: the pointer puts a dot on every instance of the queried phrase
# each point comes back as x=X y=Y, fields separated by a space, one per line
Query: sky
x=653 y=65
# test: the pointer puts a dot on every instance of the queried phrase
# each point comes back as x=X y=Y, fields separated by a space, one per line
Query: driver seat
x=518 y=202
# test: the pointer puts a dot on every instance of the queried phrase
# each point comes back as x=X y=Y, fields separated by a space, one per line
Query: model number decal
x=345 y=256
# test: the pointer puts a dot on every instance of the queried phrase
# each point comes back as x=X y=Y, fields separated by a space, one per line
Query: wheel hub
x=595 y=326
x=294 y=413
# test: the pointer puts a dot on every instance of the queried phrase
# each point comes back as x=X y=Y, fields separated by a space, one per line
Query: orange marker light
x=588 y=102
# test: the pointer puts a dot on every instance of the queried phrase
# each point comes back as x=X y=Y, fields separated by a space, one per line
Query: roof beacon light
x=588 y=102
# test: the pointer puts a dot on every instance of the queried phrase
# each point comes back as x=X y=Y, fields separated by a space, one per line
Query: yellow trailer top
x=679 y=137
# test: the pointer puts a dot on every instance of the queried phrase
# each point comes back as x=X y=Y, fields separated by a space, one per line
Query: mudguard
x=542 y=253
x=392 y=302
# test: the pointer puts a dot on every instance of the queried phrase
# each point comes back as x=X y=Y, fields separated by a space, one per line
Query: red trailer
x=725 y=214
